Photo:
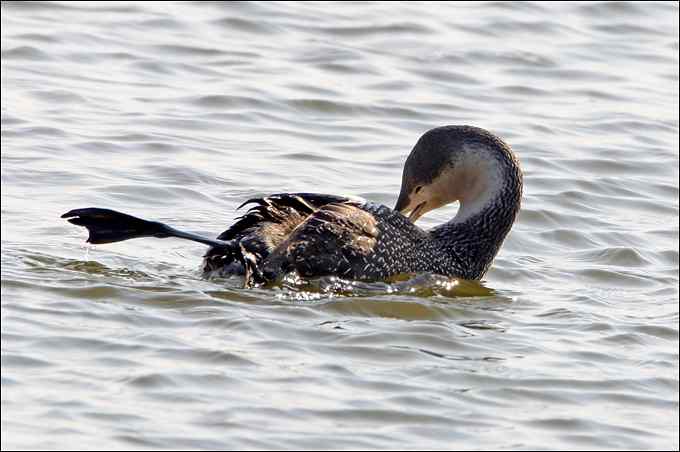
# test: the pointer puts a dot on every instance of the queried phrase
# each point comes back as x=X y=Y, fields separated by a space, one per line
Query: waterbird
x=326 y=235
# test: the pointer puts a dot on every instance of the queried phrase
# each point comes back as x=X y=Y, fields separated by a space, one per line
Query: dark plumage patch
x=333 y=240
x=260 y=230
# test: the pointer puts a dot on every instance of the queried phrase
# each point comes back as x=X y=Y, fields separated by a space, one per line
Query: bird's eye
x=417 y=189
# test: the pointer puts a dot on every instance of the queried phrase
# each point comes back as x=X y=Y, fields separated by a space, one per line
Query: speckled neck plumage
x=472 y=238
x=473 y=243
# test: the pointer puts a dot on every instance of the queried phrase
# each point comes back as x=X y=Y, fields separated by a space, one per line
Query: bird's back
x=318 y=235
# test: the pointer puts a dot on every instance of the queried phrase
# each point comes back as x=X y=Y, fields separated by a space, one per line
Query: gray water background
x=180 y=111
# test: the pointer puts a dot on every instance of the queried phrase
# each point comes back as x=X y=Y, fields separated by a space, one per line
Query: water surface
x=180 y=111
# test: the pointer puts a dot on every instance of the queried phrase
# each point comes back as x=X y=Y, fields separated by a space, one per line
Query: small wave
x=419 y=285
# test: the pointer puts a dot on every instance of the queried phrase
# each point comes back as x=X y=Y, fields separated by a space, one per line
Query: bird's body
x=317 y=234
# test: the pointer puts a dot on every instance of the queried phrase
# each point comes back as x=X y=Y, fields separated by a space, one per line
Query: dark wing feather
x=337 y=239
x=261 y=229
x=277 y=209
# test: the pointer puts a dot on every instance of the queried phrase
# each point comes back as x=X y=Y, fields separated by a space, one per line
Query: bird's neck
x=473 y=237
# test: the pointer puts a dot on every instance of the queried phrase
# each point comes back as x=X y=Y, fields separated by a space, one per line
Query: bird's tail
x=108 y=226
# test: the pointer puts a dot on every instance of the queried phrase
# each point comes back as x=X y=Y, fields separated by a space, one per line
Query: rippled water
x=180 y=111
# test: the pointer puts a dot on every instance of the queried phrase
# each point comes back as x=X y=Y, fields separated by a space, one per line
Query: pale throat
x=473 y=181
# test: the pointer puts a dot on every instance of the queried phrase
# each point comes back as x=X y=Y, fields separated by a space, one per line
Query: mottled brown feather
x=332 y=240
